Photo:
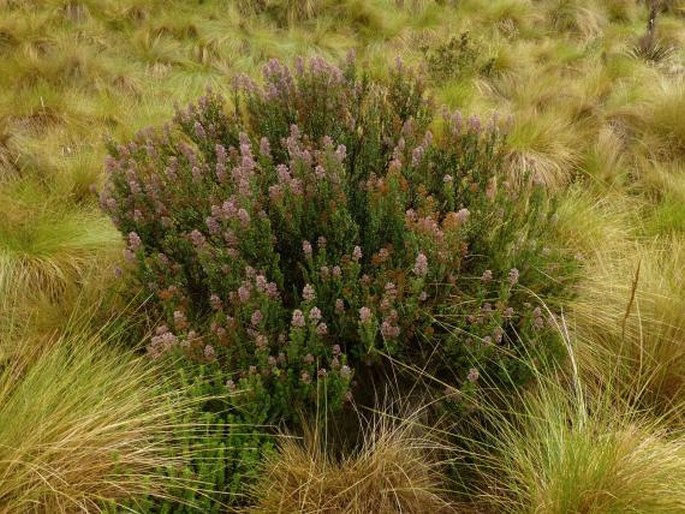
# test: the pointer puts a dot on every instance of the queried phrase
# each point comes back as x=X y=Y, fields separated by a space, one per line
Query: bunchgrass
x=562 y=451
x=83 y=424
x=48 y=249
x=630 y=324
x=396 y=469
x=569 y=444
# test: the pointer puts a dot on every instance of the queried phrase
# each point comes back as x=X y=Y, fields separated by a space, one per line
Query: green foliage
x=459 y=57
x=221 y=454
x=320 y=225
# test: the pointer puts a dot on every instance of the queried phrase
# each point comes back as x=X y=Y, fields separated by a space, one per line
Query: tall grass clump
x=49 y=251
x=45 y=244
x=83 y=425
x=566 y=446
x=316 y=224
x=396 y=469
x=628 y=318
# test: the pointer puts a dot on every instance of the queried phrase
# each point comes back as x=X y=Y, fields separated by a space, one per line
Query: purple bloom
x=298 y=319
x=513 y=276
x=261 y=341
x=307 y=248
x=339 y=306
x=134 y=241
x=315 y=314
x=473 y=375
x=111 y=204
x=389 y=330
x=256 y=318
x=357 y=253
x=264 y=147
x=421 y=265
x=337 y=272
x=486 y=276
x=322 y=329
x=463 y=215
x=209 y=352
x=391 y=290
x=272 y=290
x=275 y=193
x=197 y=238
x=243 y=216
x=283 y=173
x=244 y=293
x=261 y=283
x=308 y=293
x=134 y=186
x=341 y=152
x=417 y=155
x=364 y=315
x=213 y=225
x=200 y=130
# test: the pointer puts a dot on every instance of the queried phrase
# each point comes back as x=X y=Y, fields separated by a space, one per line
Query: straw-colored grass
x=394 y=470
x=567 y=450
x=82 y=424
x=629 y=318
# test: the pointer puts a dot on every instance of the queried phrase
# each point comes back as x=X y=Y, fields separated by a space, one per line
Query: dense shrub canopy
x=323 y=220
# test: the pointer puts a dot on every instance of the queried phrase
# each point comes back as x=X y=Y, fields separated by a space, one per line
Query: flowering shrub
x=318 y=224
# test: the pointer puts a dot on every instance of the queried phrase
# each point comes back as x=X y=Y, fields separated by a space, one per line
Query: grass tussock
x=48 y=250
x=629 y=319
x=82 y=425
x=664 y=126
x=395 y=470
x=565 y=450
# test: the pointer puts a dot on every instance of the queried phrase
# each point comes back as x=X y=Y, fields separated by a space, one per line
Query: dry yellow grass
x=395 y=470
x=82 y=425
x=629 y=319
